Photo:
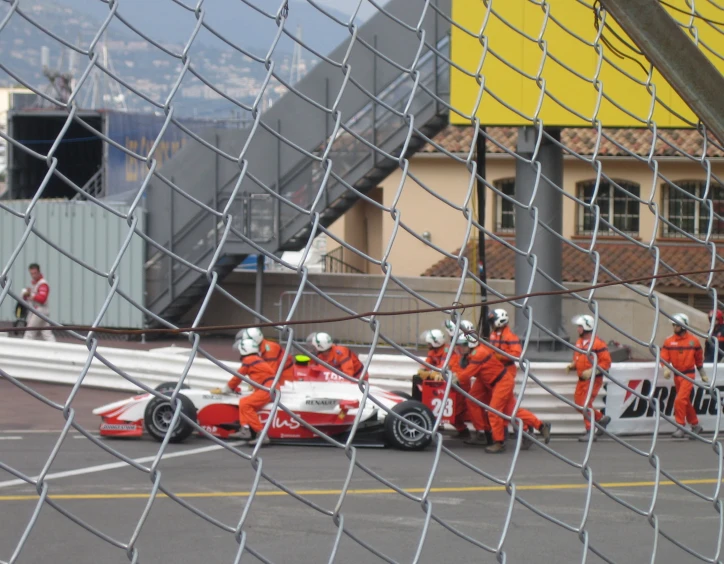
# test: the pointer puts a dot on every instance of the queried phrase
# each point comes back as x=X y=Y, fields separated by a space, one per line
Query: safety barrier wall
x=62 y=363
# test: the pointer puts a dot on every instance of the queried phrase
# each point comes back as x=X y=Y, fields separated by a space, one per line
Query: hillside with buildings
x=150 y=70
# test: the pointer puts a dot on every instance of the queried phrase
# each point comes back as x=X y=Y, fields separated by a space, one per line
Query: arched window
x=504 y=208
x=684 y=211
x=618 y=204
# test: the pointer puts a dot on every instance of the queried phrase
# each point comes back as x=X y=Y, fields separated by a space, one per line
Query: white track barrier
x=62 y=363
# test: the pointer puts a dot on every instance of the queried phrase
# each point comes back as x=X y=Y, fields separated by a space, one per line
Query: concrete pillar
x=545 y=310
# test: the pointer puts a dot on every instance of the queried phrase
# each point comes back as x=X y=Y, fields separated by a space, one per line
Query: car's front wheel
x=158 y=416
x=401 y=432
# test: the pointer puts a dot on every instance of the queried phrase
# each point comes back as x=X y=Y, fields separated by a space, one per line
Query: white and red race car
x=317 y=396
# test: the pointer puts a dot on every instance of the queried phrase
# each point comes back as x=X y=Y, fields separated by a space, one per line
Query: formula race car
x=317 y=396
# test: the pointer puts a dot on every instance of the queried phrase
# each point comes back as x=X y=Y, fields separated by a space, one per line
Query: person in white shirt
x=37 y=297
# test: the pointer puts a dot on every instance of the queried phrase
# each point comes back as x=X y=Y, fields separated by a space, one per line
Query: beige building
x=637 y=210
x=6 y=94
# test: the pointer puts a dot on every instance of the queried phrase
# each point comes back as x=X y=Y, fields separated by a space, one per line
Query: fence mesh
x=246 y=159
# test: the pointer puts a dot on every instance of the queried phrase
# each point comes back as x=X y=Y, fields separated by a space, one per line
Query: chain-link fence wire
x=697 y=221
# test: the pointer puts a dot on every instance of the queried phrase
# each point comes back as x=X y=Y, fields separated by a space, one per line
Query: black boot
x=545 y=430
x=478 y=439
x=526 y=442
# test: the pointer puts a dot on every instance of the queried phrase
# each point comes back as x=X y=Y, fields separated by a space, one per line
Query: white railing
x=62 y=363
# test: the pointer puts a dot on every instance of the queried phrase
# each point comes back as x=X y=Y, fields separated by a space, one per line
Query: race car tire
x=159 y=413
x=168 y=387
x=403 y=395
x=401 y=435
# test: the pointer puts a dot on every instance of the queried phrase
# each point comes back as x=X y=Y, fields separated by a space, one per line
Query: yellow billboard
x=552 y=65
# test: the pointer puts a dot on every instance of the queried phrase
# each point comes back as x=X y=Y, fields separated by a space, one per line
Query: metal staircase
x=94 y=186
x=272 y=205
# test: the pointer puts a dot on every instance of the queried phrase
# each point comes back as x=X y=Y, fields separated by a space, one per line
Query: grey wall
x=630 y=312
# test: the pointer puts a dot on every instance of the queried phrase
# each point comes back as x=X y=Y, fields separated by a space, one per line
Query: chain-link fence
x=458 y=152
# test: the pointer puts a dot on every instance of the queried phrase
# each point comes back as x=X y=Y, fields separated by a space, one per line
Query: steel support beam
x=675 y=56
x=547 y=246
x=259 y=289
x=480 y=149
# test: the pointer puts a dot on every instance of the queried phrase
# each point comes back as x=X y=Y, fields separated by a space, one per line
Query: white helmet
x=462 y=340
x=681 y=319
x=434 y=337
x=246 y=347
x=465 y=326
x=585 y=321
x=320 y=341
x=253 y=333
x=471 y=339
x=498 y=318
x=449 y=327
x=467 y=330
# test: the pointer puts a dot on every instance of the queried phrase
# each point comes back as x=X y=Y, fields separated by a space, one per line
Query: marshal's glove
x=667 y=373
x=586 y=374
x=702 y=373
x=423 y=374
x=429 y=375
x=220 y=391
x=570 y=368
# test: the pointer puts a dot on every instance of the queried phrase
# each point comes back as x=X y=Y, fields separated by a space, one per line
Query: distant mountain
x=166 y=21
x=153 y=72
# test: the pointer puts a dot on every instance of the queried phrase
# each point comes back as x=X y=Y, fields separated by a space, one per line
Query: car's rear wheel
x=400 y=431
x=169 y=387
x=158 y=416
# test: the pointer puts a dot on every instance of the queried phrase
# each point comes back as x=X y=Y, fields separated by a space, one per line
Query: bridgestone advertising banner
x=633 y=414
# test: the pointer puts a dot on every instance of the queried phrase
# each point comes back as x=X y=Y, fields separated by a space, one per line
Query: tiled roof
x=614 y=142
x=625 y=260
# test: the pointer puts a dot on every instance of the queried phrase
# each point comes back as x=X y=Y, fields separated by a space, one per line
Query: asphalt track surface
x=96 y=488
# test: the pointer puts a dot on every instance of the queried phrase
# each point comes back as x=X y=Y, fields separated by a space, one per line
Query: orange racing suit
x=508 y=342
x=259 y=371
x=684 y=353
x=583 y=363
x=489 y=373
x=342 y=359
x=436 y=357
x=273 y=353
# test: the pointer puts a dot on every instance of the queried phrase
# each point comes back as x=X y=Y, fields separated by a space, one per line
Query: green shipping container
x=94 y=238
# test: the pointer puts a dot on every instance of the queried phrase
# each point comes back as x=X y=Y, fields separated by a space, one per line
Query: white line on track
x=11 y=438
x=35 y=431
x=114 y=465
